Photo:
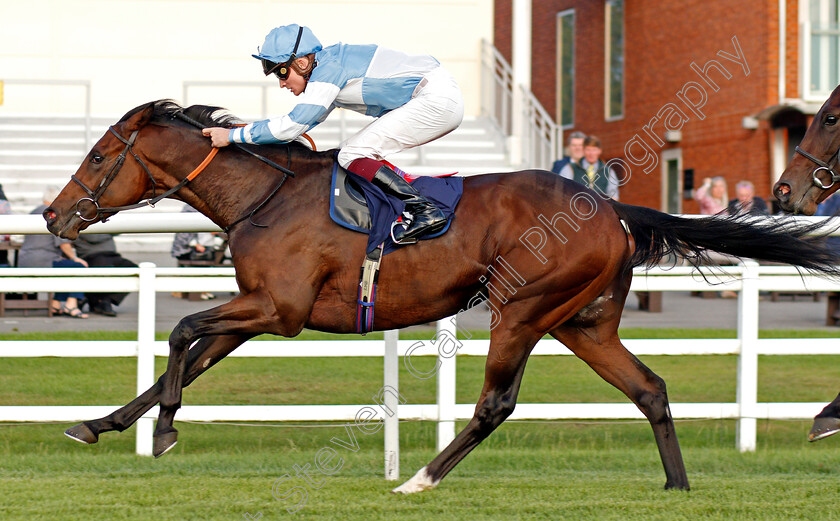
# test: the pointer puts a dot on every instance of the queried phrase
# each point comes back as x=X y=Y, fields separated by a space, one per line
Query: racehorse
x=810 y=177
x=560 y=256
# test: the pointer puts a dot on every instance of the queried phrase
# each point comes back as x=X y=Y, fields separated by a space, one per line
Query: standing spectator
x=712 y=196
x=5 y=208
x=574 y=152
x=49 y=251
x=100 y=251
x=831 y=208
x=746 y=202
x=591 y=171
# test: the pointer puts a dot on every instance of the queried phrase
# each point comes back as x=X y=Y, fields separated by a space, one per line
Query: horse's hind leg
x=202 y=356
x=502 y=375
x=600 y=347
x=827 y=422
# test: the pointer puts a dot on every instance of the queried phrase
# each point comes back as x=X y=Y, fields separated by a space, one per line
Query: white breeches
x=436 y=109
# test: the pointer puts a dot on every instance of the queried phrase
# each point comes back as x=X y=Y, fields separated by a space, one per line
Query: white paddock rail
x=747 y=280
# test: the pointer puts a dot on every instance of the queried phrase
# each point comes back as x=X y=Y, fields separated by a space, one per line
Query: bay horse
x=572 y=253
x=811 y=176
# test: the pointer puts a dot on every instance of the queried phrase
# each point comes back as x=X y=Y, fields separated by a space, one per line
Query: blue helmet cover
x=280 y=42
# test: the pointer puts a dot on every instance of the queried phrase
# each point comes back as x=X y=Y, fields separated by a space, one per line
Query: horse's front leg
x=826 y=422
x=250 y=314
x=202 y=356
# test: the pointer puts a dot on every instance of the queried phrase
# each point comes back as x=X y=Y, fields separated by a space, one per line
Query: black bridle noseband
x=822 y=165
x=94 y=195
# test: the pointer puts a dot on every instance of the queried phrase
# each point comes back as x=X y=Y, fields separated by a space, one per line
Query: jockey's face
x=295 y=82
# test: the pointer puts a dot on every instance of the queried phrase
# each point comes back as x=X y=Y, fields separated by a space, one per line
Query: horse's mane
x=164 y=111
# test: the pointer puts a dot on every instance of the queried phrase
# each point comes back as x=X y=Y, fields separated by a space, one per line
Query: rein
x=94 y=195
x=822 y=165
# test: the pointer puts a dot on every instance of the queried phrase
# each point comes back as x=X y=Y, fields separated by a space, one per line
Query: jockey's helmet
x=282 y=45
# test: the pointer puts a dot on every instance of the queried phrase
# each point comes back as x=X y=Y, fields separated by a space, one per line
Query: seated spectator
x=188 y=246
x=49 y=251
x=746 y=202
x=574 y=152
x=591 y=171
x=99 y=251
x=712 y=196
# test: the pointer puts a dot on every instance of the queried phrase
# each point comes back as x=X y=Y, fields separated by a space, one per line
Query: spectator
x=189 y=246
x=591 y=171
x=5 y=208
x=574 y=151
x=831 y=208
x=49 y=251
x=99 y=251
x=712 y=196
x=746 y=202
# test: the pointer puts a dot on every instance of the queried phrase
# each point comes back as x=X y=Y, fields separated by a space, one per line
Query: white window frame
x=559 y=62
x=805 y=51
x=607 y=60
x=664 y=157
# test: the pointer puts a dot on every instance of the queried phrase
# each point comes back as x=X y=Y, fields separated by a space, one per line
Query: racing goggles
x=281 y=70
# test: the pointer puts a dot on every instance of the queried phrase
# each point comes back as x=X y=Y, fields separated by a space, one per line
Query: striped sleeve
x=315 y=104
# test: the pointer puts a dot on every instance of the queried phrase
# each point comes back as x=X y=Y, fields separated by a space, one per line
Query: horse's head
x=812 y=174
x=112 y=174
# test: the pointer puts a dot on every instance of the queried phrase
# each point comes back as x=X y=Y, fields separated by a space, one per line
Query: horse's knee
x=493 y=410
x=182 y=334
x=653 y=401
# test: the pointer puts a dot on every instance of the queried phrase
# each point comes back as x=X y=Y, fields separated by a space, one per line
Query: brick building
x=682 y=90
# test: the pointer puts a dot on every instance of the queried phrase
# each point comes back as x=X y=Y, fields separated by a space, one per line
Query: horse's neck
x=237 y=184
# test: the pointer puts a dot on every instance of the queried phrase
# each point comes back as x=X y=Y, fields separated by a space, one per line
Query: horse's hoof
x=164 y=443
x=823 y=428
x=418 y=483
x=82 y=433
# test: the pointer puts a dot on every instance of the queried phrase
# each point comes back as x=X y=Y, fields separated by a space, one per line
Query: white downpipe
x=521 y=49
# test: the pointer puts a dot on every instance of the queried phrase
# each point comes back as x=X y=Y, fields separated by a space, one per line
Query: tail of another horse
x=783 y=240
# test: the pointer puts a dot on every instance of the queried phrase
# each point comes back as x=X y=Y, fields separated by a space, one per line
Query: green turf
x=526 y=470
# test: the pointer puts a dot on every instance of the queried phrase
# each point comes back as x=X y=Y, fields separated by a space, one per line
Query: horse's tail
x=658 y=234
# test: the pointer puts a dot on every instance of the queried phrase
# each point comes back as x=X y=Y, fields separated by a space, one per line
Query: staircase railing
x=541 y=136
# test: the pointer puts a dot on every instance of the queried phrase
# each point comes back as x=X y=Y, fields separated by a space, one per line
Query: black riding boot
x=425 y=216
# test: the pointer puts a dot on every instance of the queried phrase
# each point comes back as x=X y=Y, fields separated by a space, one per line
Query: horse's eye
x=96 y=159
x=831 y=120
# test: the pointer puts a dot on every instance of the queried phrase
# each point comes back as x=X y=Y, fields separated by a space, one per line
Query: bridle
x=822 y=165
x=94 y=195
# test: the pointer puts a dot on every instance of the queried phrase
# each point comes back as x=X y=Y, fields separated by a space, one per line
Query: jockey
x=413 y=99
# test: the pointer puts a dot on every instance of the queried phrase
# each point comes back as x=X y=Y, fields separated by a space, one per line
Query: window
x=614 y=59
x=566 y=68
x=672 y=182
x=821 y=47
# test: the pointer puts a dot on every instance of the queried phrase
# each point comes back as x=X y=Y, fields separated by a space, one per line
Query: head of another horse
x=131 y=162
x=812 y=174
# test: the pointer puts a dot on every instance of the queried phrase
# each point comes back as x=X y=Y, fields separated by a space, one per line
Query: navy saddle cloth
x=359 y=205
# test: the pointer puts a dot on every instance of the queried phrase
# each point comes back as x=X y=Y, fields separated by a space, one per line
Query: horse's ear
x=140 y=116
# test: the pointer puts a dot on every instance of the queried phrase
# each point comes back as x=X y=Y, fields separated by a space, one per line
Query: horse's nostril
x=49 y=215
x=782 y=191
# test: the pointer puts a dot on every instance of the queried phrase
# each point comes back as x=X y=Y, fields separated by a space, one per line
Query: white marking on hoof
x=420 y=482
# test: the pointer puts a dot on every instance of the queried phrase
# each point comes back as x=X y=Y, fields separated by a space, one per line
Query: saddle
x=349 y=206
x=362 y=207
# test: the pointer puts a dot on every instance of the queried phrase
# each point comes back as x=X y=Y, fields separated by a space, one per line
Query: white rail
x=748 y=280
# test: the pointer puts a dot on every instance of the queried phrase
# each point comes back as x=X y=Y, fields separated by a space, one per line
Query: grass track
x=562 y=470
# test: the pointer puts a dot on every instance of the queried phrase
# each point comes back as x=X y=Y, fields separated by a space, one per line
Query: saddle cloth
x=360 y=206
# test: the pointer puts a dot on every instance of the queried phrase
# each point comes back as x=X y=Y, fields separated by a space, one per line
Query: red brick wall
x=662 y=39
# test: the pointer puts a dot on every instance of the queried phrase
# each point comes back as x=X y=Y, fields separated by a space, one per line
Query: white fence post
x=145 y=350
x=447 y=349
x=391 y=403
x=747 y=390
